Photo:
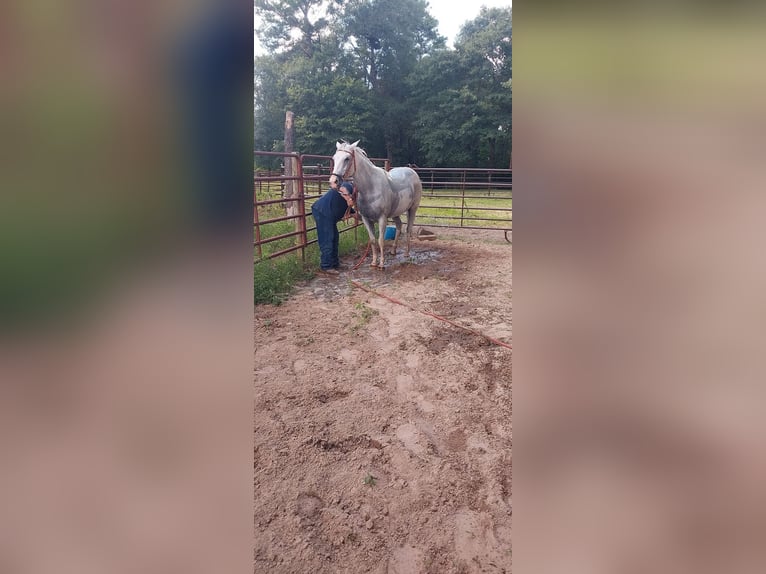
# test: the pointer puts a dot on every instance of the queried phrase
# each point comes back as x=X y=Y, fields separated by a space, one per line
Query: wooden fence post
x=291 y=187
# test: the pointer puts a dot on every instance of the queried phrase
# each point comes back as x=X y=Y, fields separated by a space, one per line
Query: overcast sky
x=451 y=17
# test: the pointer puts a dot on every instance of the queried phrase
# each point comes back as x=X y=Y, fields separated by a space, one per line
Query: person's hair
x=348 y=186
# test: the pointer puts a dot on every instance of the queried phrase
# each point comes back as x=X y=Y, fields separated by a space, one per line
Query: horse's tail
x=418 y=193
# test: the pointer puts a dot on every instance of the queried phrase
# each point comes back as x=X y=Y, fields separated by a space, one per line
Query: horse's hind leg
x=410 y=225
x=398 y=222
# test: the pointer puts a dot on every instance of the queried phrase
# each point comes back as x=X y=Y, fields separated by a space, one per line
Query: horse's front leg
x=381 y=243
x=373 y=245
x=382 y=239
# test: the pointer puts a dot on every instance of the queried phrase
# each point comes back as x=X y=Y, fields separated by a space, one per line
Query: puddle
x=416 y=257
x=331 y=288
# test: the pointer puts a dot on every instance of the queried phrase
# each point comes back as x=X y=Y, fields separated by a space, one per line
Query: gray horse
x=381 y=195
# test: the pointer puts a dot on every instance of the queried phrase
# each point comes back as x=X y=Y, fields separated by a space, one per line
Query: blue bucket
x=390 y=232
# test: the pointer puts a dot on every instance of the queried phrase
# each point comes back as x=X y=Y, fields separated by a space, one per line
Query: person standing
x=328 y=210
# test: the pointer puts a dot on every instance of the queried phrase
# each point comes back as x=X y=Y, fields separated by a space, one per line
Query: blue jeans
x=327 y=237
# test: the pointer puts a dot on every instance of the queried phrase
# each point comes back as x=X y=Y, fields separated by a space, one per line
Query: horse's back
x=405 y=178
x=403 y=174
x=407 y=190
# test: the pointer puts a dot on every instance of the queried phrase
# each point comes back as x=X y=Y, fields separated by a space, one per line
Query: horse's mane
x=344 y=142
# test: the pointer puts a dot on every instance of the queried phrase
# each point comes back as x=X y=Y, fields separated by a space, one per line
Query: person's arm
x=347 y=196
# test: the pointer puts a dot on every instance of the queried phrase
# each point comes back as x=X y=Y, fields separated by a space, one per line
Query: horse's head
x=344 y=162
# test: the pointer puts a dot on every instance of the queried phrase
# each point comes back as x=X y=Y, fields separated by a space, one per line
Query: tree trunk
x=291 y=187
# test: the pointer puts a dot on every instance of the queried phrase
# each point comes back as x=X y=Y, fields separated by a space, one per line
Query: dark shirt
x=331 y=205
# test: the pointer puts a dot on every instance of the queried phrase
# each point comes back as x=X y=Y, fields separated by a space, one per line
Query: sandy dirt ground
x=383 y=435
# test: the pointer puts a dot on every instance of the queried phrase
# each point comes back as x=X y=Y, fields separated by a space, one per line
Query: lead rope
x=433 y=315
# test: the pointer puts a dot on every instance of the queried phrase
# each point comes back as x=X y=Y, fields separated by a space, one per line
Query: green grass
x=457 y=207
x=271 y=230
x=370 y=480
x=274 y=279
x=349 y=239
x=363 y=315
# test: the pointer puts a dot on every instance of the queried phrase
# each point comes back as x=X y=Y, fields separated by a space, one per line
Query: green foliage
x=335 y=109
x=379 y=71
x=274 y=279
x=465 y=119
x=370 y=480
x=288 y=25
x=363 y=315
x=390 y=37
x=270 y=103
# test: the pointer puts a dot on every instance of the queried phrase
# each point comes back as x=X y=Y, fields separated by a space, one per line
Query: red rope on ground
x=435 y=316
x=358 y=263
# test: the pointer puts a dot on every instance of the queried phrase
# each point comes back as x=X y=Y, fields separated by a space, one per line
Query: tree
x=270 y=102
x=292 y=25
x=485 y=43
x=464 y=111
x=443 y=106
x=386 y=39
x=378 y=71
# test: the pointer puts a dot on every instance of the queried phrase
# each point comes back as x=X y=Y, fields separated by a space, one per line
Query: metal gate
x=286 y=184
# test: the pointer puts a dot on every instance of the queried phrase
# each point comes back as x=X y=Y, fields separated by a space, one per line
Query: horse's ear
x=355 y=143
x=337 y=145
